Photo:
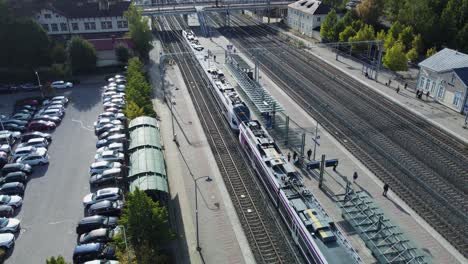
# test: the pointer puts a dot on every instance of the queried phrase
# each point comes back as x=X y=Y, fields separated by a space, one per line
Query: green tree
x=412 y=55
x=430 y=52
x=81 y=55
x=462 y=39
x=389 y=41
x=370 y=10
x=417 y=43
x=347 y=33
x=122 y=53
x=343 y=22
x=395 y=58
x=392 y=8
x=406 y=36
x=380 y=35
x=58 y=54
x=134 y=66
x=395 y=29
x=328 y=27
x=139 y=30
x=365 y=33
x=54 y=260
x=132 y=110
x=146 y=224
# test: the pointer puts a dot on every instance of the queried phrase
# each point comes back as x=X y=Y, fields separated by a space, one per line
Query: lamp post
x=208 y=179
x=126 y=244
x=39 y=83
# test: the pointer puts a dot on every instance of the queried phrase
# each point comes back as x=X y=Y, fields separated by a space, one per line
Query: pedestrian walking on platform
x=389 y=82
x=385 y=189
x=406 y=85
x=294 y=156
x=355 y=176
x=309 y=153
x=289 y=156
x=398 y=89
x=214 y=57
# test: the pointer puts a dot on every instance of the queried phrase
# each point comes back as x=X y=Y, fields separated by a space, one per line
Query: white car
x=40 y=157
x=5 y=148
x=19 y=152
x=111 y=194
x=61 y=84
x=100 y=166
x=113 y=146
x=9 y=225
x=35 y=142
x=109 y=155
x=101 y=262
x=14 y=201
x=7 y=240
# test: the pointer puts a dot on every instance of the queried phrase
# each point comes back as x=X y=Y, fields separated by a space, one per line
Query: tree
x=81 y=54
x=430 y=52
x=343 y=22
x=389 y=41
x=462 y=39
x=417 y=43
x=380 y=35
x=122 y=53
x=328 y=27
x=58 y=54
x=139 y=30
x=406 y=36
x=370 y=10
x=412 y=55
x=365 y=33
x=132 y=110
x=395 y=58
x=395 y=29
x=58 y=260
x=347 y=33
x=146 y=224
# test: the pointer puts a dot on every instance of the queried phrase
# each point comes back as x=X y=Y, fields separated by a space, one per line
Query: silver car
x=9 y=225
x=100 y=166
x=109 y=155
x=7 y=240
x=14 y=201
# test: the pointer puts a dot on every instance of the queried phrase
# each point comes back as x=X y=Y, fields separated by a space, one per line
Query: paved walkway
x=401 y=214
x=221 y=236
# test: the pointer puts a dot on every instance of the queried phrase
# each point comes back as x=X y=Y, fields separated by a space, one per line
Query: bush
x=81 y=55
x=122 y=53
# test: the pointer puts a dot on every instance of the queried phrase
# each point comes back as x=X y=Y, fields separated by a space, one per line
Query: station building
x=306 y=16
x=445 y=76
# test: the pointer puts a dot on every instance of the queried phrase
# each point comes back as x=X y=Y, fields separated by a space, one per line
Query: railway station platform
x=221 y=237
x=414 y=227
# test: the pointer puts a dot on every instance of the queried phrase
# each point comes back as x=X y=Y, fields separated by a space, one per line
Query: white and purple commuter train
x=312 y=230
x=234 y=109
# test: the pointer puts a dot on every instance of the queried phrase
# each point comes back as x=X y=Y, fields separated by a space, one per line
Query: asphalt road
x=52 y=203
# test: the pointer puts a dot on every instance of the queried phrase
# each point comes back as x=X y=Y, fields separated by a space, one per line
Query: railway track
x=266 y=241
x=423 y=165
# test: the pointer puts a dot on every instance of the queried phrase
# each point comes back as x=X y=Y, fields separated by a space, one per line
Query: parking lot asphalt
x=52 y=204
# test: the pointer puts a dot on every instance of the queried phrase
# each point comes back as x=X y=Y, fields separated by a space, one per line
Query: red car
x=32 y=102
x=41 y=125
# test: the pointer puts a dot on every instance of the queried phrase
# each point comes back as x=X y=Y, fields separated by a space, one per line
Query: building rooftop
x=445 y=60
x=462 y=74
x=312 y=7
x=110 y=43
x=78 y=9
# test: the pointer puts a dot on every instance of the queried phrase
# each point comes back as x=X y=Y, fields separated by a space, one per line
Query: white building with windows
x=72 y=17
x=445 y=76
x=306 y=16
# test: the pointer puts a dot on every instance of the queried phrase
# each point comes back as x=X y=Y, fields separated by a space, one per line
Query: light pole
x=126 y=244
x=39 y=82
x=316 y=138
x=208 y=179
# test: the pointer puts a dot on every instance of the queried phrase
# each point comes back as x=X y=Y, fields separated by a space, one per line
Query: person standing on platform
x=427 y=95
x=355 y=176
x=385 y=189
x=289 y=156
x=406 y=85
x=309 y=153
x=398 y=89
x=294 y=156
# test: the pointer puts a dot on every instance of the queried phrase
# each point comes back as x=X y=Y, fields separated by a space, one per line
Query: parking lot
x=52 y=202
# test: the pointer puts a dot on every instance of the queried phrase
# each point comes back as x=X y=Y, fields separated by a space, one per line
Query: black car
x=108 y=208
x=90 y=223
x=93 y=251
x=15 y=121
x=14 y=127
x=110 y=176
x=12 y=167
x=12 y=188
x=54 y=119
x=6 y=211
x=36 y=134
x=100 y=235
x=17 y=176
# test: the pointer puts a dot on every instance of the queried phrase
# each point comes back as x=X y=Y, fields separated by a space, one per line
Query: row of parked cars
x=22 y=146
x=11 y=88
x=104 y=205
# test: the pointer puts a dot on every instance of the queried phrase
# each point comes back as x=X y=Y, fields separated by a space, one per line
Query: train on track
x=313 y=231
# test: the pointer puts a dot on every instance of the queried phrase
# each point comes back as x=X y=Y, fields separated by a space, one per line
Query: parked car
x=17 y=176
x=35 y=142
x=14 y=127
x=61 y=84
x=12 y=188
x=112 y=146
x=110 y=194
x=7 y=241
x=40 y=157
x=100 y=166
x=6 y=211
x=10 y=134
x=113 y=109
x=110 y=155
x=89 y=223
x=12 y=167
x=6 y=139
x=108 y=127
x=106 y=207
x=3 y=159
x=22 y=116
x=60 y=107
x=110 y=176
x=54 y=119
x=22 y=151
x=36 y=134
x=92 y=251
x=15 y=121
x=111 y=131
x=5 y=148
x=32 y=102
x=29 y=86
x=9 y=225
x=100 y=235
x=102 y=261
x=120 y=138
x=112 y=116
x=14 y=201
x=105 y=121
x=42 y=125
x=51 y=112
x=61 y=98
